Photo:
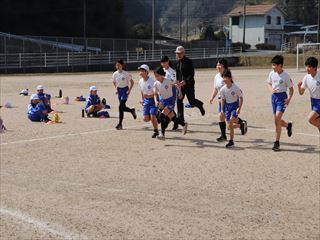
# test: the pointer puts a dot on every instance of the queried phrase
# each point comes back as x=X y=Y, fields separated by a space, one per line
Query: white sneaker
x=185 y=129
x=161 y=137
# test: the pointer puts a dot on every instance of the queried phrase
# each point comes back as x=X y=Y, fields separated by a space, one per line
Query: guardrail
x=46 y=60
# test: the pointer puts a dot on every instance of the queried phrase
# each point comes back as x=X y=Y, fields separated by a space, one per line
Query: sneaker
x=161 y=137
x=289 y=129
x=203 y=112
x=243 y=127
x=175 y=126
x=133 y=112
x=230 y=144
x=222 y=138
x=155 y=134
x=119 y=127
x=185 y=128
x=276 y=146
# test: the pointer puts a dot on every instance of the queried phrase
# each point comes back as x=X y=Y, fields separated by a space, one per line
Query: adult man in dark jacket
x=185 y=75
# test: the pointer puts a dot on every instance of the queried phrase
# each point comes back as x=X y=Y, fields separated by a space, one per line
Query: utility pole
x=187 y=21
x=318 y=35
x=153 y=25
x=244 y=25
x=85 y=24
x=180 y=20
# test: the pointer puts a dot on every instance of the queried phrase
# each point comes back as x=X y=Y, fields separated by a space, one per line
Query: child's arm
x=130 y=86
x=301 y=90
x=291 y=91
x=115 y=86
x=213 y=95
x=223 y=102
x=156 y=97
x=240 y=105
x=271 y=88
x=142 y=97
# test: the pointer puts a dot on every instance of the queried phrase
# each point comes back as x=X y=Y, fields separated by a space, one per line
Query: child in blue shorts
x=231 y=104
x=164 y=89
x=37 y=111
x=312 y=82
x=146 y=84
x=93 y=103
x=279 y=82
x=123 y=83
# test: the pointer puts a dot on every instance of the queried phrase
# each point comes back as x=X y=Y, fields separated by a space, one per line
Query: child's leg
x=231 y=127
x=154 y=122
x=279 y=123
x=314 y=119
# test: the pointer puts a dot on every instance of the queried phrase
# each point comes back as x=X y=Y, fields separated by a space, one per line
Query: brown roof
x=254 y=10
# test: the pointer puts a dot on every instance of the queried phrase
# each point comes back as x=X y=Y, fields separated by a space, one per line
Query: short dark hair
x=227 y=73
x=223 y=62
x=311 y=62
x=120 y=61
x=159 y=70
x=165 y=59
x=277 y=59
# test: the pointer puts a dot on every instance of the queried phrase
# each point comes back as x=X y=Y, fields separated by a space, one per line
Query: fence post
x=160 y=53
x=204 y=53
x=127 y=55
x=68 y=58
x=19 y=60
x=45 y=59
x=109 y=56
x=138 y=55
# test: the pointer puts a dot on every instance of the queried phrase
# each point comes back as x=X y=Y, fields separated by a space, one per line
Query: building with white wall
x=264 y=24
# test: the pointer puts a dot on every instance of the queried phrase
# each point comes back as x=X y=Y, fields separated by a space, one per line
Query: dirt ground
x=82 y=179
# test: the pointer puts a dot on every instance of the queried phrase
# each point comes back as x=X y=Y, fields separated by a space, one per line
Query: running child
x=312 y=82
x=231 y=104
x=93 y=103
x=221 y=66
x=146 y=84
x=123 y=83
x=163 y=89
x=279 y=82
x=37 y=111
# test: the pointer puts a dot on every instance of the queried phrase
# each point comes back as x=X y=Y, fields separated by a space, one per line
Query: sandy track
x=84 y=180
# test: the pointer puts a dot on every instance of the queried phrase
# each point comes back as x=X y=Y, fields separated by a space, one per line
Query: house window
x=268 y=19
x=278 y=20
x=235 y=20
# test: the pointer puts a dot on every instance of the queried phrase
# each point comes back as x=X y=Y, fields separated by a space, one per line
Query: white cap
x=93 y=88
x=34 y=97
x=40 y=87
x=144 y=67
x=180 y=49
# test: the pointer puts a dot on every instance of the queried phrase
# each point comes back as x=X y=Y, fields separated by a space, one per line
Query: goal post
x=305 y=50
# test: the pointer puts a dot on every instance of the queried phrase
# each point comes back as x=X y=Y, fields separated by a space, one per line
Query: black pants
x=123 y=108
x=189 y=91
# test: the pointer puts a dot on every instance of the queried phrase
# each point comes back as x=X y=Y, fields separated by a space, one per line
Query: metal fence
x=32 y=60
x=10 y=43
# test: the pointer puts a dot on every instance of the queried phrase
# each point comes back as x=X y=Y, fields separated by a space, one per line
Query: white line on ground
x=130 y=127
x=44 y=226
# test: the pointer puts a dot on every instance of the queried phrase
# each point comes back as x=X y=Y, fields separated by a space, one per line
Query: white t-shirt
x=231 y=94
x=218 y=82
x=313 y=84
x=280 y=82
x=146 y=87
x=164 y=89
x=170 y=74
x=121 y=79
